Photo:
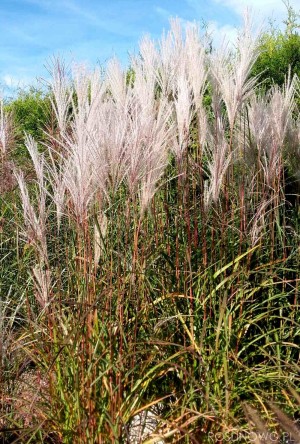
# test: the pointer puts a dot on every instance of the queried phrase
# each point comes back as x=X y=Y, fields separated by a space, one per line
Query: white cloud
x=14 y=82
x=196 y=5
x=262 y=9
x=164 y=13
x=220 y=33
x=10 y=81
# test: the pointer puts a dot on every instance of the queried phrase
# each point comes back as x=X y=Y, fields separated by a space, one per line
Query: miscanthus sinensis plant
x=161 y=256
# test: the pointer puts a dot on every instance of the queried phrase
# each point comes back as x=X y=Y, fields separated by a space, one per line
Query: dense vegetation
x=150 y=249
x=279 y=52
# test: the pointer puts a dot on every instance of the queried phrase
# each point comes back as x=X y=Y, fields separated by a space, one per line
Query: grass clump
x=153 y=253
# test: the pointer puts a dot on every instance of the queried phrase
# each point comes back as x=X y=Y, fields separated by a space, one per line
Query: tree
x=31 y=112
x=280 y=50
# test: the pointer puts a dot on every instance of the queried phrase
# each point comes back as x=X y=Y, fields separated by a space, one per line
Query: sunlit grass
x=151 y=261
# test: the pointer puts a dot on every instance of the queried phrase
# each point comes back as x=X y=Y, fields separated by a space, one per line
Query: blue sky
x=94 y=30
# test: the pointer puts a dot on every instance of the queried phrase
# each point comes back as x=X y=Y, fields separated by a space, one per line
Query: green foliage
x=280 y=50
x=31 y=111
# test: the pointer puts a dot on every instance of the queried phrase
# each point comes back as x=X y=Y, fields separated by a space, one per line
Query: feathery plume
x=232 y=71
x=42 y=283
x=61 y=92
x=219 y=159
x=183 y=111
x=34 y=222
x=6 y=130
